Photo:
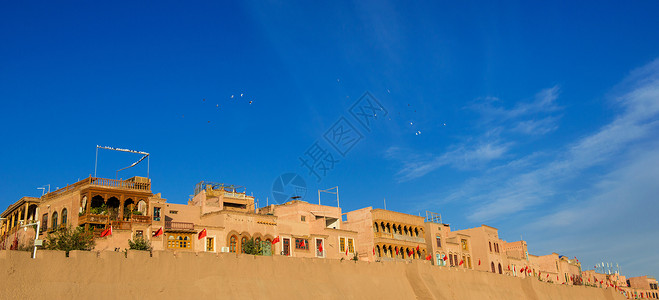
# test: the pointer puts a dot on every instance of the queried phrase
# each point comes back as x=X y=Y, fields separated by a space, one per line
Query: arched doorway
x=500 y=271
x=113 y=207
x=129 y=207
x=97 y=204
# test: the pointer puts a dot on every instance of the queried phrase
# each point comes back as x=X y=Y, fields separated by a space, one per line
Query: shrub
x=140 y=244
x=355 y=257
x=67 y=239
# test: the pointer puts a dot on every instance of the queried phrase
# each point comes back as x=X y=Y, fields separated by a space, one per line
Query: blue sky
x=540 y=120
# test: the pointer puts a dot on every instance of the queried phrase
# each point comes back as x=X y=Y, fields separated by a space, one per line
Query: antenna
x=146 y=155
x=329 y=191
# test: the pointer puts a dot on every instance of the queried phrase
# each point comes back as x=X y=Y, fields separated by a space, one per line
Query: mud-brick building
x=312 y=230
x=447 y=248
x=385 y=235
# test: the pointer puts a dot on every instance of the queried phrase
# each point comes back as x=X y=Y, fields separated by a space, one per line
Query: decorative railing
x=141 y=219
x=120 y=225
x=91 y=218
x=142 y=186
x=120 y=184
x=179 y=225
x=409 y=238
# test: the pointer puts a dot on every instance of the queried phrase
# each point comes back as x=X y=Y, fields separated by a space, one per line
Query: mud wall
x=185 y=275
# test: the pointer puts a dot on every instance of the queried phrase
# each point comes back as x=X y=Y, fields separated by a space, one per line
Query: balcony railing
x=142 y=186
x=141 y=219
x=179 y=225
x=120 y=184
x=408 y=238
x=401 y=237
x=384 y=235
x=120 y=225
x=91 y=218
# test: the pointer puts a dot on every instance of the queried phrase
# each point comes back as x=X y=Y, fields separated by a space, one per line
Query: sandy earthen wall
x=185 y=275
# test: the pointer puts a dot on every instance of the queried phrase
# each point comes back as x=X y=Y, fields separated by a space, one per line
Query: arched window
x=55 y=220
x=375 y=227
x=141 y=207
x=490 y=246
x=64 y=216
x=500 y=272
x=416 y=232
x=257 y=241
x=493 y=270
x=232 y=243
x=83 y=204
x=243 y=241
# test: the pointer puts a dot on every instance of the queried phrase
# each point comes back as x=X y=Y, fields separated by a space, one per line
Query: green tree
x=355 y=257
x=139 y=244
x=252 y=247
x=68 y=239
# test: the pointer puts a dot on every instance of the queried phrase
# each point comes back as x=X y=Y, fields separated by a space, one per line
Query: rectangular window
x=139 y=234
x=210 y=244
x=464 y=244
x=320 y=250
x=342 y=244
x=156 y=213
x=351 y=245
x=439 y=241
x=302 y=244
x=178 y=241
x=287 y=246
x=173 y=212
x=303 y=218
x=469 y=262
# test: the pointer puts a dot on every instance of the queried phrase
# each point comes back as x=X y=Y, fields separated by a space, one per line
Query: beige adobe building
x=385 y=235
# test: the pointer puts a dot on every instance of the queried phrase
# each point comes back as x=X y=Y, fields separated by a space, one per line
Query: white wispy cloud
x=462 y=157
x=637 y=123
x=492 y=111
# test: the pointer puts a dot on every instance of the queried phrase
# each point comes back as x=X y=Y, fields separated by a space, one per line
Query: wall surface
x=185 y=275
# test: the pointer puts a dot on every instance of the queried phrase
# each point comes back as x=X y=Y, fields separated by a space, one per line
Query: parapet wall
x=186 y=275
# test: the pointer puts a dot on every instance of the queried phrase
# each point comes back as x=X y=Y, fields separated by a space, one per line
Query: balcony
x=179 y=226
